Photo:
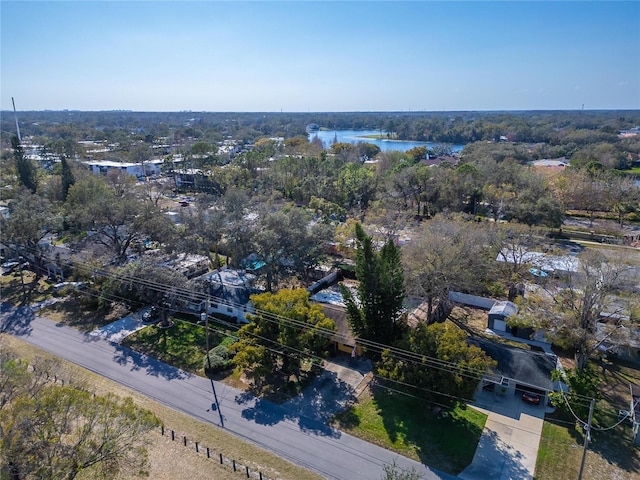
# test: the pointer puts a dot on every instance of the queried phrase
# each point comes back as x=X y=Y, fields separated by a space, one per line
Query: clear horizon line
x=332 y=111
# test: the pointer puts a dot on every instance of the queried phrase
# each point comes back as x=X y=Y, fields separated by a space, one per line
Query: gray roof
x=504 y=308
x=523 y=366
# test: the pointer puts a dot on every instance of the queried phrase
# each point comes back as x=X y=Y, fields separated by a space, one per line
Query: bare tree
x=445 y=255
x=585 y=308
x=63 y=431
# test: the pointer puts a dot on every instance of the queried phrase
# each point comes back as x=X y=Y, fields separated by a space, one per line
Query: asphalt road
x=303 y=440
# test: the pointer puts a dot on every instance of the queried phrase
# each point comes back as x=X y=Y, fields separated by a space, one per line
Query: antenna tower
x=16 y=117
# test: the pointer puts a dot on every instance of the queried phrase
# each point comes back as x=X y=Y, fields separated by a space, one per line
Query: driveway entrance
x=508 y=447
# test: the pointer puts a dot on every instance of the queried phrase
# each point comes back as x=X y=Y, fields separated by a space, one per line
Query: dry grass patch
x=171 y=460
x=83 y=313
x=17 y=290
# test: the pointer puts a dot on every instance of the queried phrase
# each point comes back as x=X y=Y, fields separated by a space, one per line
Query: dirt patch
x=474 y=319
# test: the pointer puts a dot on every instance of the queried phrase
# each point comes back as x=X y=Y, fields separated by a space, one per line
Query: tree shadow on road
x=16 y=321
x=156 y=368
x=311 y=410
x=495 y=459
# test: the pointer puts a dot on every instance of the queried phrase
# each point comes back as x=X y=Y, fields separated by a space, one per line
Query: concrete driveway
x=117 y=331
x=508 y=447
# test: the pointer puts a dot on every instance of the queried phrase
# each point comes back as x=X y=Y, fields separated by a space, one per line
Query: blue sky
x=319 y=56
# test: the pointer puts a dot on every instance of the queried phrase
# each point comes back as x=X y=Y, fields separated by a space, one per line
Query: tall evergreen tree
x=374 y=316
x=67 y=178
x=27 y=174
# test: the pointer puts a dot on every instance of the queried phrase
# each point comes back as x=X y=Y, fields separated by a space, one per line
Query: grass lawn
x=611 y=454
x=408 y=426
x=182 y=345
x=15 y=293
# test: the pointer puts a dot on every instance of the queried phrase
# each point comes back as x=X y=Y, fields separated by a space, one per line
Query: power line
x=181 y=293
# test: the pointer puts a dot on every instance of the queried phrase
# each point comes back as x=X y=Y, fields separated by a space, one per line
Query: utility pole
x=587 y=437
x=205 y=316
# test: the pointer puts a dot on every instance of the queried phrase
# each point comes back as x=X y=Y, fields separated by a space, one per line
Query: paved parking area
x=508 y=447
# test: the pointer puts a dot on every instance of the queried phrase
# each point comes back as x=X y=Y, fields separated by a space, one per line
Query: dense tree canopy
x=31 y=219
x=454 y=374
x=52 y=431
x=286 y=330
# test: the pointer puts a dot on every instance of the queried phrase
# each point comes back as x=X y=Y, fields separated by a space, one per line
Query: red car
x=531 y=398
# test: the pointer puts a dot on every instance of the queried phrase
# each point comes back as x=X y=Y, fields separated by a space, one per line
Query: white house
x=229 y=292
x=139 y=170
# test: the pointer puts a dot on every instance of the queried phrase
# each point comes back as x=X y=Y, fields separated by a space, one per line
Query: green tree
x=67 y=178
x=31 y=219
x=582 y=384
x=288 y=246
x=355 y=185
x=458 y=379
x=26 y=169
x=127 y=283
x=285 y=330
x=375 y=314
x=112 y=210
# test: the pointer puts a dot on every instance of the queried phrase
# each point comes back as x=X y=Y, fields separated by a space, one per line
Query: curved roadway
x=302 y=440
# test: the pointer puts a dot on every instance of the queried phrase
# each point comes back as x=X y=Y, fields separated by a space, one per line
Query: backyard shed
x=497 y=317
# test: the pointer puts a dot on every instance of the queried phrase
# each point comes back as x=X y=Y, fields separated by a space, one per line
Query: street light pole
x=205 y=316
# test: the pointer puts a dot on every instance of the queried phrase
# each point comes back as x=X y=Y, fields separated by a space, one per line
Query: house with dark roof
x=229 y=292
x=518 y=370
x=343 y=339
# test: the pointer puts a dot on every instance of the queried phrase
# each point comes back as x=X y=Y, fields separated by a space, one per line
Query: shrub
x=218 y=359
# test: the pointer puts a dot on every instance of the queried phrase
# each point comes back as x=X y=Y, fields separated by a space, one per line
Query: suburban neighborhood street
x=304 y=440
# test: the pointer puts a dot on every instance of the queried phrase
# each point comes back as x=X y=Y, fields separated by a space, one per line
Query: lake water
x=355 y=136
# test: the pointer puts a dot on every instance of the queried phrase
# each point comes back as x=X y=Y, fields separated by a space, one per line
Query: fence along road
x=301 y=440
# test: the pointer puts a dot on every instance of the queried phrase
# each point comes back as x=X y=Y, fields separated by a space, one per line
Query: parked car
x=531 y=398
x=9 y=267
x=12 y=266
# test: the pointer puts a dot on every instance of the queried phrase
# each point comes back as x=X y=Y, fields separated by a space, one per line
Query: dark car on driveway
x=531 y=398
